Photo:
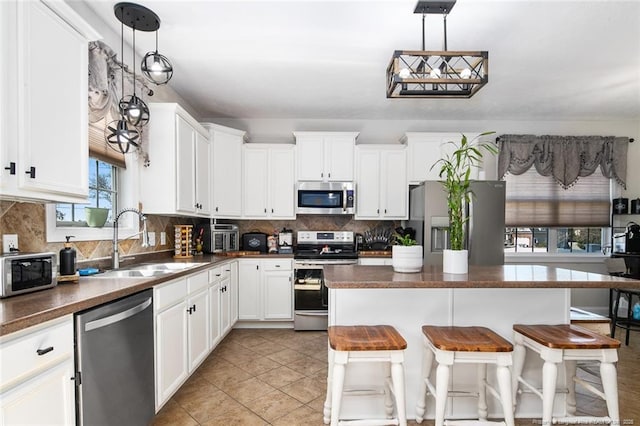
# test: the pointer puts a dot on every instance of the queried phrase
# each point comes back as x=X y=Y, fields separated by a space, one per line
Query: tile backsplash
x=28 y=221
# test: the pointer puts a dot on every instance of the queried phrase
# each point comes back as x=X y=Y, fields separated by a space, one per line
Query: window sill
x=554 y=258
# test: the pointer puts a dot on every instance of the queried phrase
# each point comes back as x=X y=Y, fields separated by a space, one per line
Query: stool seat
x=365 y=338
x=566 y=336
x=466 y=339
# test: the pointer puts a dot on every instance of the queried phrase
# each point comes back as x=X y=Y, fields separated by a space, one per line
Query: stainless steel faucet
x=115 y=257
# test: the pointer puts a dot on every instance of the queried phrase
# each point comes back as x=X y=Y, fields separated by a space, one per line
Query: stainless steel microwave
x=27 y=272
x=326 y=198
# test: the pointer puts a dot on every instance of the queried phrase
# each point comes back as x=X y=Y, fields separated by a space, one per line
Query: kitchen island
x=492 y=296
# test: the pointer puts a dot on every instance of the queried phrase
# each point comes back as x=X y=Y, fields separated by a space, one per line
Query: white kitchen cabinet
x=222 y=316
x=179 y=155
x=233 y=290
x=37 y=375
x=214 y=310
x=227 y=170
x=198 y=326
x=325 y=156
x=43 y=154
x=171 y=354
x=265 y=290
x=381 y=182
x=268 y=181
x=424 y=149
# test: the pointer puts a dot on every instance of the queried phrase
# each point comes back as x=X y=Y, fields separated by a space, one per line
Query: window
x=542 y=217
x=103 y=184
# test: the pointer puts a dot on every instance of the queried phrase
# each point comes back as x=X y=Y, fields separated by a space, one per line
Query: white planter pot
x=455 y=261
x=407 y=258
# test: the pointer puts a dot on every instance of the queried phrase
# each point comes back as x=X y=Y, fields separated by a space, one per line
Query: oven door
x=311 y=298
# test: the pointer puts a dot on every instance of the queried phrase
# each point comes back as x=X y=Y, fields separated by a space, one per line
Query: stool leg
x=388 y=399
x=397 y=375
x=549 y=379
x=609 y=379
x=442 y=387
x=570 y=369
x=327 y=401
x=614 y=317
x=504 y=386
x=421 y=405
x=519 y=354
x=482 y=391
x=337 y=378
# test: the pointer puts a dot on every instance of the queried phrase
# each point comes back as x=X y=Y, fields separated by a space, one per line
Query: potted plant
x=406 y=254
x=455 y=172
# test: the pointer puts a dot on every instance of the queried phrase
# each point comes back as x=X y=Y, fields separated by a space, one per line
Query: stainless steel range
x=315 y=249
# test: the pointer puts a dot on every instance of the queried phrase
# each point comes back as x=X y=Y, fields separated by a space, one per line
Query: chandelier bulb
x=404 y=73
x=435 y=73
x=466 y=73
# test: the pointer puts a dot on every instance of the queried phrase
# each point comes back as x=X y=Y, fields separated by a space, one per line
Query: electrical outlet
x=9 y=243
x=152 y=239
x=163 y=238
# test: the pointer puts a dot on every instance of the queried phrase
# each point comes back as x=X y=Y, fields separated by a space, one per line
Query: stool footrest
x=363 y=392
x=588 y=386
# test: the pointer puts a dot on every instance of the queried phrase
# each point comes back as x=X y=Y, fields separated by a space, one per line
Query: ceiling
x=548 y=60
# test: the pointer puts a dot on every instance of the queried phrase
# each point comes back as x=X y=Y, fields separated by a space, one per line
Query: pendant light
x=156 y=67
x=132 y=108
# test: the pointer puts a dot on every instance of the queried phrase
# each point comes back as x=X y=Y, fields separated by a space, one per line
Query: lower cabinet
x=192 y=314
x=37 y=375
x=265 y=290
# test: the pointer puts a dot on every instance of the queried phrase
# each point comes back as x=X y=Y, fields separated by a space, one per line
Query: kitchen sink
x=148 y=270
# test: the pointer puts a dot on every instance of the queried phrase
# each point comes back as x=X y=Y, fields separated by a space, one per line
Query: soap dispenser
x=68 y=258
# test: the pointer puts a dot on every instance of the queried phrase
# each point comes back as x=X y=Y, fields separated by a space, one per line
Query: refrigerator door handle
x=120 y=316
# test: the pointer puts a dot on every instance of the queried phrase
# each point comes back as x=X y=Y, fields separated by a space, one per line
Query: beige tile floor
x=278 y=377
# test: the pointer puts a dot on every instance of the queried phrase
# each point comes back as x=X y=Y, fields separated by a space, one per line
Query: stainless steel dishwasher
x=114 y=362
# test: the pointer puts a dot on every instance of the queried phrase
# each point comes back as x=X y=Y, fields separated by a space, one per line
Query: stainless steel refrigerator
x=484 y=234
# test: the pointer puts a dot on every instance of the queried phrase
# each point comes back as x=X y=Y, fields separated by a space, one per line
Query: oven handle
x=313 y=314
x=314 y=287
x=344 y=199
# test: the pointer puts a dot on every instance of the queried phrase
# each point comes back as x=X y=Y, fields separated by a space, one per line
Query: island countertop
x=503 y=276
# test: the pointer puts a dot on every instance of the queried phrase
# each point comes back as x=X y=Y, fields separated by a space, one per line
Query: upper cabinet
x=227 y=171
x=325 y=156
x=424 y=149
x=179 y=155
x=43 y=101
x=269 y=181
x=381 y=182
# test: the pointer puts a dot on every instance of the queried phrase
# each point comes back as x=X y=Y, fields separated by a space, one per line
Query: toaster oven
x=27 y=272
x=220 y=237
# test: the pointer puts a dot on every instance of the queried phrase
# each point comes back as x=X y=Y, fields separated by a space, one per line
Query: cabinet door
x=310 y=153
x=368 y=184
x=227 y=175
x=255 y=182
x=225 y=305
x=172 y=366
x=338 y=158
x=203 y=175
x=233 y=291
x=48 y=398
x=214 y=315
x=198 y=319
x=393 y=184
x=278 y=295
x=423 y=154
x=249 y=306
x=282 y=183
x=185 y=166
x=52 y=100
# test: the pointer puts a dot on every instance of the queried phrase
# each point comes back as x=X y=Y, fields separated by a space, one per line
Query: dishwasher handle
x=112 y=319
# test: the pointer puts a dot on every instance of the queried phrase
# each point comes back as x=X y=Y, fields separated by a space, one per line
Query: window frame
x=128 y=195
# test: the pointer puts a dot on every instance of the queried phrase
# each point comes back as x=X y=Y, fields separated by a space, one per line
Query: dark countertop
x=506 y=276
x=25 y=310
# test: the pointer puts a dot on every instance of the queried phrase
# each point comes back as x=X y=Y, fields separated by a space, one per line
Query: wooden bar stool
x=363 y=343
x=465 y=345
x=567 y=343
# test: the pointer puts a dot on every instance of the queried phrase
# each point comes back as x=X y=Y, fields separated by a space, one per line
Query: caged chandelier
x=436 y=74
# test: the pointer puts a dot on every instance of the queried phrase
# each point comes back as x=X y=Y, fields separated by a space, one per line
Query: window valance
x=566 y=158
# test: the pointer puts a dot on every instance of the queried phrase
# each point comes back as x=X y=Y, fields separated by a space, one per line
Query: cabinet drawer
x=197 y=282
x=19 y=358
x=277 y=265
x=226 y=270
x=167 y=294
x=215 y=274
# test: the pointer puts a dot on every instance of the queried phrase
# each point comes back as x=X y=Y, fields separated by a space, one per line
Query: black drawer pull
x=31 y=172
x=41 y=352
x=11 y=168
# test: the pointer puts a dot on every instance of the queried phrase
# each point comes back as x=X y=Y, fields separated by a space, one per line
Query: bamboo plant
x=455 y=173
